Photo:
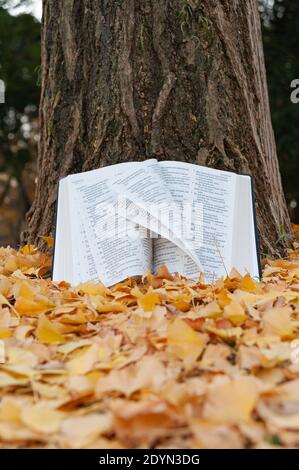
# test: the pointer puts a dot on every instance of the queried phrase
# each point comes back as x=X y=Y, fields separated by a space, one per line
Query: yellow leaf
x=33 y=308
x=148 y=373
x=8 y=380
x=28 y=250
x=25 y=290
x=278 y=322
x=92 y=288
x=184 y=342
x=146 y=301
x=79 y=431
x=231 y=401
x=49 y=241
x=41 y=420
x=46 y=332
x=235 y=313
x=21 y=356
x=50 y=391
x=71 y=346
x=110 y=307
x=4 y=301
x=248 y=284
x=211 y=310
x=182 y=302
x=223 y=298
x=224 y=333
x=10 y=265
x=9 y=410
x=5 y=333
x=84 y=361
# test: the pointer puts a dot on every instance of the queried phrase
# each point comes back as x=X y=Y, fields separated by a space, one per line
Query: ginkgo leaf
x=278 y=321
x=211 y=310
x=9 y=410
x=231 y=400
x=235 y=313
x=18 y=356
x=8 y=380
x=249 y=285
x=73 y=345
x=28 y=249
x=182 y=302
x=79 y=431
x=10 y=265
x=84 y=361
x=184 y=342
x=135 y=377
x=224 y=333
x=47 y=332
x=5 y=333
x=24 y=289
x=29 y=307
x=110 y=307
x=223 y=298
x=41 y=420
x=93 y=288
x=147 y=301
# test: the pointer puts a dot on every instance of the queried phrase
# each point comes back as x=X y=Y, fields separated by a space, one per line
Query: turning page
x=176 y=177
x=156 y=209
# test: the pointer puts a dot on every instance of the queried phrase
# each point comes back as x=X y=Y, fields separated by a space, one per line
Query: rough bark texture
x=171 y=79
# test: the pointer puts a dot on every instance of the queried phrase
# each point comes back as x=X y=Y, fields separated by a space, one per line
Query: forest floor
x=162 y=363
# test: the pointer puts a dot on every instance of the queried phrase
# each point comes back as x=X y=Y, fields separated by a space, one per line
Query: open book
x=130 y=218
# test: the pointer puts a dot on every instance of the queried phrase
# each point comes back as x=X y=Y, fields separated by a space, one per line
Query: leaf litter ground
x=159 y=362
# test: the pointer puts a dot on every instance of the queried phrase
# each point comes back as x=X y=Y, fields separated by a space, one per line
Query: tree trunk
x=171 y=79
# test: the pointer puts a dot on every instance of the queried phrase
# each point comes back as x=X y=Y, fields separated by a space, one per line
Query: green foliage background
x=19 y=66
x=281 y=45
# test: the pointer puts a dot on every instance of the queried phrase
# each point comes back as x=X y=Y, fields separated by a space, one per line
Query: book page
x=176 y=178
x=212 y=195
x=108 y=247
x=153 y=207
x=245 y=250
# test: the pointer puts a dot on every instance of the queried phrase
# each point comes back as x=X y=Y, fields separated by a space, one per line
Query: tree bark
x=171 y=79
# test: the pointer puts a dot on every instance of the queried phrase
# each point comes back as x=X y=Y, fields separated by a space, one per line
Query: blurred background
x=20 y=71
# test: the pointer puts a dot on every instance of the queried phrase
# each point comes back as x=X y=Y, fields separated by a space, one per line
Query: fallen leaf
x=184 y=342
x=278 y=322
x=46 y=332
x=84 y=361
x=231 y=401
x=147 y=301
x=41 y=420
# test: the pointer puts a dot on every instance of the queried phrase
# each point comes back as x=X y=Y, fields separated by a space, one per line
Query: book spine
x=256 y=232
x=55 y=227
